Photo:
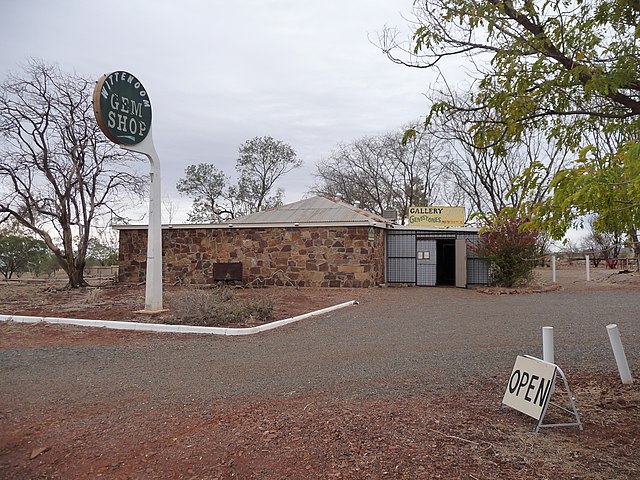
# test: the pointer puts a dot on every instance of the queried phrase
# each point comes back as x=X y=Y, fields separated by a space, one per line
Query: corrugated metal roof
x=312 y=210
x=315 y=211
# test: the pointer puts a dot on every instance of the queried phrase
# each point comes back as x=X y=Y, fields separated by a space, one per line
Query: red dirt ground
x=315 y=435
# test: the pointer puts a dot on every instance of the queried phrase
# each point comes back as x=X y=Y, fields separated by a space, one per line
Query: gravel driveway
x=403 y=339
x=405 y=385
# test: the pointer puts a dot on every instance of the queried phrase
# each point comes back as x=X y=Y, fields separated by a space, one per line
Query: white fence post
x=618 y=353
x=553 y=268
x=547 y=345
x=586 y=257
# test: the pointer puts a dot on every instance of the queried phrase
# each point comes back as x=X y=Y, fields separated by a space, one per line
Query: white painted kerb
x=159 y=327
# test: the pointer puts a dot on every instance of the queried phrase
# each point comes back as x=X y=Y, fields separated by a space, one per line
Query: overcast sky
x=221 y=72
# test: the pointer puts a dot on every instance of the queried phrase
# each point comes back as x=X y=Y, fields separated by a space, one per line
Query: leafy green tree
x=206 y=185
x=47 y=266
x=608 y=185
x=262 y=162
x=19 y=254
x=568 y=68
x=562 y=64
x=99 y=253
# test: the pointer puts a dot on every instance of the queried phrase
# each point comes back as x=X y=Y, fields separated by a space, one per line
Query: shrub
x=510 y=248
x=218 y=306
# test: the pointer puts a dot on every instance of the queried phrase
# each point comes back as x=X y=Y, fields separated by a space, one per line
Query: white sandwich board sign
x=530 y=385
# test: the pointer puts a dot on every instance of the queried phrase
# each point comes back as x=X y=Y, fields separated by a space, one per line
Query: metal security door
x=426 y=272
x=400 y=249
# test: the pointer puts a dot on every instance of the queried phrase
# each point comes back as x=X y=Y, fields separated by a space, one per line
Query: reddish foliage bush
x=511 y=249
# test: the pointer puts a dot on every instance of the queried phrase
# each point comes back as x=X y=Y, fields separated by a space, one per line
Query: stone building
x=317 y=242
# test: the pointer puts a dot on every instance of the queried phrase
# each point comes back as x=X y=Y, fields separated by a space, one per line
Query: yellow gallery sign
x=436 y=216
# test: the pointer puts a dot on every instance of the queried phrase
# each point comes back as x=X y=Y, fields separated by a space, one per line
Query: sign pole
x=153 y=293
x=123 y=112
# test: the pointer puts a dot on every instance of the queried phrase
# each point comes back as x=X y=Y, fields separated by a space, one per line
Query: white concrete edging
x=160 y=327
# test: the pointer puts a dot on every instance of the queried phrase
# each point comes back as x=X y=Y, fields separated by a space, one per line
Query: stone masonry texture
x=304 y=256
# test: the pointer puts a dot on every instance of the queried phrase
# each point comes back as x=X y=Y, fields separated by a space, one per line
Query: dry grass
x=93 y=296
x=218 y=306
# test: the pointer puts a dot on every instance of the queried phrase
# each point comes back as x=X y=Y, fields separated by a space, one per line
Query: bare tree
x=58 y=173
x=487 y=176
x=170 y=209
x=417 y=171
x=383 y=172
x=359 y=172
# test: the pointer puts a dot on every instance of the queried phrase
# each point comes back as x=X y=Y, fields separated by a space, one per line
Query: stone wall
x=306 y=256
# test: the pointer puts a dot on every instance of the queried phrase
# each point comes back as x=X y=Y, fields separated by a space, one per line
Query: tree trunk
x=76 y=278
x=75 y=273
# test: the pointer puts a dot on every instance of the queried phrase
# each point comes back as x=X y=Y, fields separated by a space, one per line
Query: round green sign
x=122 y=108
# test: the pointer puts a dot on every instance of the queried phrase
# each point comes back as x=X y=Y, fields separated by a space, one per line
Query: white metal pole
x=618 y=353
x=586 y=258
x=547 y=345
x=153 y=293
x=553 y=268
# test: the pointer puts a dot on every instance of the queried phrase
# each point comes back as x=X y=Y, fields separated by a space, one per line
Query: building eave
x=237 y=226
x=437 y=229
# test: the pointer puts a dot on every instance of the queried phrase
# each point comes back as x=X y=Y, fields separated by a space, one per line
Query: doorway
x=446 y=262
